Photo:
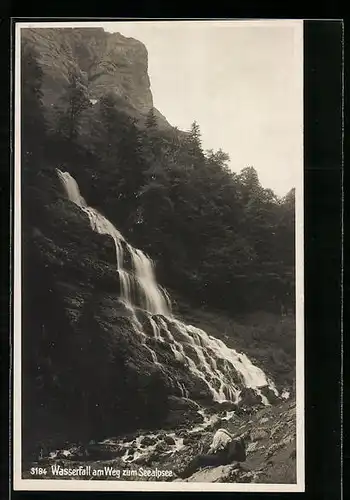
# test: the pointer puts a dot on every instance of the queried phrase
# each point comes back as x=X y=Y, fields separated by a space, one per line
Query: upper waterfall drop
x=138 y=286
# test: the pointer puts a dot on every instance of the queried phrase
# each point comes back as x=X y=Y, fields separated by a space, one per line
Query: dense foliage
x=218 y=238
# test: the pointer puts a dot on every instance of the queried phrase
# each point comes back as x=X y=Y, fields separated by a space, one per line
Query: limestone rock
x=107 y=62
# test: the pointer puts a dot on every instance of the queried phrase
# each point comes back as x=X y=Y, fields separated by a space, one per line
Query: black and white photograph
x=158 y=246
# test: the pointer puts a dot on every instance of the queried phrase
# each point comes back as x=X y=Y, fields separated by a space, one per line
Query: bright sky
x=240 y=80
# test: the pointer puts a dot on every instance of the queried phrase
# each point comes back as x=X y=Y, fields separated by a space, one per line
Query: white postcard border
x=20 y=484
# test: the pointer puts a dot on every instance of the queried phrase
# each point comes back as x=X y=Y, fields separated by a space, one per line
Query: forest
x=218 y=238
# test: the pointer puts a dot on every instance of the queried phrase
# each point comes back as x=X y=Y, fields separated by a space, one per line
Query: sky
x=240 y=80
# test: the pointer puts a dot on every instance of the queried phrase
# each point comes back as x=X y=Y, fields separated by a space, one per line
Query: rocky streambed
x=160 y=455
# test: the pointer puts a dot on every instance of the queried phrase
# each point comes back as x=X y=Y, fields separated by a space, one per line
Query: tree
x=195 y=135
x=217 y=166
x=116 y=143
x=151 y=120
x=32 y=109
x=111 y=126
x=75 y=100
x=289 y=199
x=250 y=184
x=194 y=146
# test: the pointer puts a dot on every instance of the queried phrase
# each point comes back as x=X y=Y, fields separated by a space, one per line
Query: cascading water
x=221 y=369
x=141 y=278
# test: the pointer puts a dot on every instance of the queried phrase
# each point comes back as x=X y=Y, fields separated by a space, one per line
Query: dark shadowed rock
x=160 y=448
x=271 y=396
x=225 y=406
x=189 y=439
x=148 y=440
x=182 y=433
x=249 y=398
x=103 y=452
x=169 y=440
x=182 y=412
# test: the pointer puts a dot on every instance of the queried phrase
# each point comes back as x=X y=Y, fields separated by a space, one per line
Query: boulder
x=169 y=440
x=148 y=441
x=189 y=439
x=249 y=398
x=258 y=434
x=182 y=433
x=158 y=451
x=182 y=412
x=226 y=406
x=103 y=452
x=177 y=403
x=271 y=396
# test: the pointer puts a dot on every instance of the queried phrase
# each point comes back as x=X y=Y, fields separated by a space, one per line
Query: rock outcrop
x=106 y=62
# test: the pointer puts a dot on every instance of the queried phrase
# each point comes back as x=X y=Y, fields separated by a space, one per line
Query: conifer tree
x=194 y=146
x=75 y=100
x=151 y=120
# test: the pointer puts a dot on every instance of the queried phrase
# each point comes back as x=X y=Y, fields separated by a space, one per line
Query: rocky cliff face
x=107 y=62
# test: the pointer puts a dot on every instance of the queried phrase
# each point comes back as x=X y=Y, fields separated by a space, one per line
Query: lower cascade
x=222 y=371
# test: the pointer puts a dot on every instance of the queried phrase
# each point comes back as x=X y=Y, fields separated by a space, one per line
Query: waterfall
x=221 y=369
x=140 y=280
